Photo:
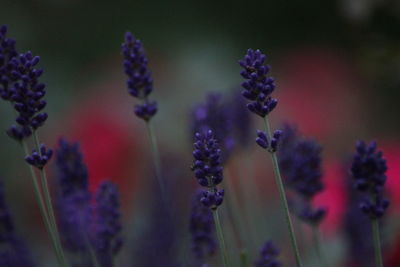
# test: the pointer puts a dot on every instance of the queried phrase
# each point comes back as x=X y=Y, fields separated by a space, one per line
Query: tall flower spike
x=13 y=251
x=140 y=82
x=107 y=240
x=369 y=172
x=7 y=52
x=207 y=168
x=258 y=86
x=26 y=93
x=201 y=228
x=300 y=161
x=268 y=255
x=214 y=114
x=73 y=198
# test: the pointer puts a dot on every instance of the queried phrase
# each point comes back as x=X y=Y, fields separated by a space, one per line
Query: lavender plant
x=300 y=161
x=368 y=170
x=258 y=87
x=209 y=173
x=21 y=87
x=13 y=251
x=140 y=85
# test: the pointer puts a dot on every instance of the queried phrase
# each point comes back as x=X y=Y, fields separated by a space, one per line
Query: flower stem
x=42 y=206
x=317 y=244
x=156 y=158
x=377 y=242
x=243 y=259
x=50 y=210
x=221 y=239
x=282 y=195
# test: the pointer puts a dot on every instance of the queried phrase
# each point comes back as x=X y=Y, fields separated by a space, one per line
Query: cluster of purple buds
x=262 y=140
x=26 y=94
x=39 y=158
x=201 y=228
x=258 y=87
x=7 y=52
x=140 y=82
x=368 y=170
x=313 y=216
x=268 y=255
x=207 y=168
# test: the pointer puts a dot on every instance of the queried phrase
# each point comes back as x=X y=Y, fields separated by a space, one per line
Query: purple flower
x=268 y=255
x=26 y=95
x=300 y=163
x=107 y=239
x=207 y=168
x=201 y=228
x=258 y=86
x=369 y=172
x=74 y=212
x=140 y=82
x=214 y=114
x=13 y=251
x=263 y=142
x=39 y=158
x=7 y=52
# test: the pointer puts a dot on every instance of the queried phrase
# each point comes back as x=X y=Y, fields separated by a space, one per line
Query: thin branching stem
x=49 y=205
x=282 y=195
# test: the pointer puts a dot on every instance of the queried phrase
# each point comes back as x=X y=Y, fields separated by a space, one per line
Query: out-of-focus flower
x=214 y=114
x=300 y=162
x=7 y=52
x=258 y=87
x=268 y=255
x=107 y=240
x=13 y=251
x=140 y=83
x=73 y=198
x=369 y=171
x=201 y=228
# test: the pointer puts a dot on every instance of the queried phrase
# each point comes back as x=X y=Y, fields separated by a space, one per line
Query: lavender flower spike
x=13 y=251
x=39 y=159
x=107 y=240
x=201 y=228
x=7 y=52
x=268 y=254
x=207 y=168
x=258 y=86
x=368 y=170
x=140 y=82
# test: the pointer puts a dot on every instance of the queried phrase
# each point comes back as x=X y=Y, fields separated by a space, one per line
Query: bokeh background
x=337 y=65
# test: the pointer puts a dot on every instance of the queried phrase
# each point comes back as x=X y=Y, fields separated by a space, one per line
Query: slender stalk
x=282 y=195
x=233 y=208
x=221 y=240
x=156 y=158
x=244 y=259
x=50 y=210
x=42 y=207
x=317 y=244
x=377 y=242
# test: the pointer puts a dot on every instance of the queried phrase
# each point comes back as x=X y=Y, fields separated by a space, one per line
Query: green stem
x=156 y=158
x=282 y=195
x=42 y=207
x=243 y=259
x=221 y=239
x=317 y=244
x=233 y=208
x=50 y=210
x=377 y=242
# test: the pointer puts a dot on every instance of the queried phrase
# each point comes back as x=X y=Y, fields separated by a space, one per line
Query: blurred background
x=337 y=67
